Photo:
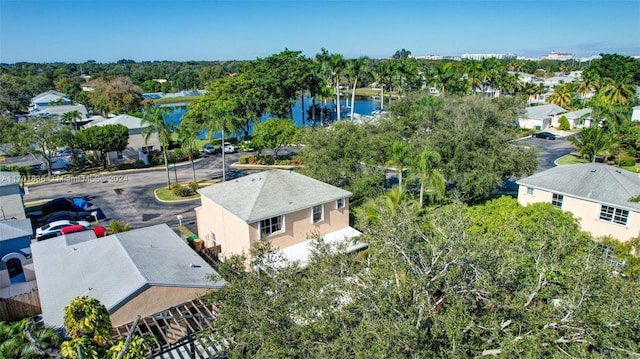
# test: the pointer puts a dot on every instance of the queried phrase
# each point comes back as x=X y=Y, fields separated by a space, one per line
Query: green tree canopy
x=454 y=281
x=103 y=139
x=274 y=133
x=117 y=95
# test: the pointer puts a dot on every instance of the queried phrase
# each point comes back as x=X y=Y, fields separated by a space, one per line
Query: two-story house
x=283 y=207
x=605 y=199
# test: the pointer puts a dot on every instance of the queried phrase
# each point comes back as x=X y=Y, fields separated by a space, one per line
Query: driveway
x=550 y=150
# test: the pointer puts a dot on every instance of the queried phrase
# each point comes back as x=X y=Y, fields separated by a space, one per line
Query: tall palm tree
x=338 y=65
x=399 y=157
x=187 y=132
x=357 y=68
x=384 y=72
x=431 y=180
x=155 y=121
x=220 y=118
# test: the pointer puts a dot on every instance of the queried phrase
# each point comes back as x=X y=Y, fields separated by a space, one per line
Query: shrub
x=176 y=189
x=253 y=160
x=297 y=161
x=243 y=160
x=118 y=226
x=564 y=123
x=266 y=159
x=627 y=162
x=193 y=187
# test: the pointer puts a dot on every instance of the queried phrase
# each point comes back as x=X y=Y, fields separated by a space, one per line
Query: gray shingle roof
x=114 y=268
x=574 y=115
x=15 y=228
x=543 y=111
x=271 y=193
x=595 y=182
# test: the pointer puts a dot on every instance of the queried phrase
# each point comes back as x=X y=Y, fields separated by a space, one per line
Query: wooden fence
x=18 y=307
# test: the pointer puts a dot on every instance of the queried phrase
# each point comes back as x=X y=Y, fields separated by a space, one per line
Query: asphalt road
x=550 y=150
x=129 y=196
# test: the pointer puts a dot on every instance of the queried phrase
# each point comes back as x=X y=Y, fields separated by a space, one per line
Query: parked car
x=57 y=204
x=68 y=215
x=99 y=231
x=64 y=204
x=545 y=135
x=229 y=148
x=53 y=229
x=208 y=149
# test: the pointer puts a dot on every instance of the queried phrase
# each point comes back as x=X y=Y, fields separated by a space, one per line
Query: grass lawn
x=165 y=194
x=570 y=159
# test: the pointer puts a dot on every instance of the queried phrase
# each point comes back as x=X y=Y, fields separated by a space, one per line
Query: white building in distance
x=508 y=56
x=559 y=56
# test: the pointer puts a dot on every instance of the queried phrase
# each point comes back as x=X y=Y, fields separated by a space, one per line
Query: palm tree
x=593 y=141
x=431 y=180
x=25 y=340
x=561 y=96
x=187 y=131
x=357 y=67
x=338 y=65
x=155 y=119
x=617 y=92
x=72 y=118
x=384 y=72
x=219 y=118
x=399 y=157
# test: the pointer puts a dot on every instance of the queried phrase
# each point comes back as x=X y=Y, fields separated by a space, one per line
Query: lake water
x=362 y=107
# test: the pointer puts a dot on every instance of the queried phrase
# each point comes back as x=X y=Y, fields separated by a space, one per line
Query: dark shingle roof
x=596 y=182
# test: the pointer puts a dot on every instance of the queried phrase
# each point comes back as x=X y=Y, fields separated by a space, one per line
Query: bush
x=266 y=160
x=627 y=162
x=243 y=160
x=564 y=123
x=176 y=189
x=297 y=161
x=253 y=160
x=193 y=187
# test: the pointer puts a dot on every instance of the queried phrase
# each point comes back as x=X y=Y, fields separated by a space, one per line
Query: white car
x=53 y=229
x=228 y=148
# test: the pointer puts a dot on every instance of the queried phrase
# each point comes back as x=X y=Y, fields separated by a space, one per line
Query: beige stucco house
x=599 y=195
x=283 y=207
x=139 y=272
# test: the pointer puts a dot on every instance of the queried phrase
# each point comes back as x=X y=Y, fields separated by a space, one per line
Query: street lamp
x=180 y=219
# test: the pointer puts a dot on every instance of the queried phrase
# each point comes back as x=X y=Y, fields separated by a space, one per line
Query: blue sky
x=141 y=30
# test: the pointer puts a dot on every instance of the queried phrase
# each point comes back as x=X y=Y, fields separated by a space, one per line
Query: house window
x=556 y=200
x=340 y=203
x=530 y=191
x=615 y=215
x=119 y=154
x=316 y=213
x=271 y=225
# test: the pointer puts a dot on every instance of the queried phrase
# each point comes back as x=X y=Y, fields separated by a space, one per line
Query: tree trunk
x=302 y=103
x=166 y=167
x=193 y=166
x=353 y=97
x=224 y=169
x=313 y=111
x=337 y=98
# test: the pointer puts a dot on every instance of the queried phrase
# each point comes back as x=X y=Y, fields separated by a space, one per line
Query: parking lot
x=128 y=196
x=550 y=150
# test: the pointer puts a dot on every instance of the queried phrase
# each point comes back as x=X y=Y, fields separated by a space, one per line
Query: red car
x=99 y=231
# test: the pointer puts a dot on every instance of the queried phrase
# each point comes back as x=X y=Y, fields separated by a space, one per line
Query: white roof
x=115 y=268
x=301 y=252
x=542 y=112
x=60 y=110
x=130 y=122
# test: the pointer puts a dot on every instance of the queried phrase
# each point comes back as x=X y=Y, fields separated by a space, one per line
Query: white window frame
x=614 y=215
x=557 y=199
x=530 y=191
x=341 y=203
x=279 y=221
x=313 y=213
